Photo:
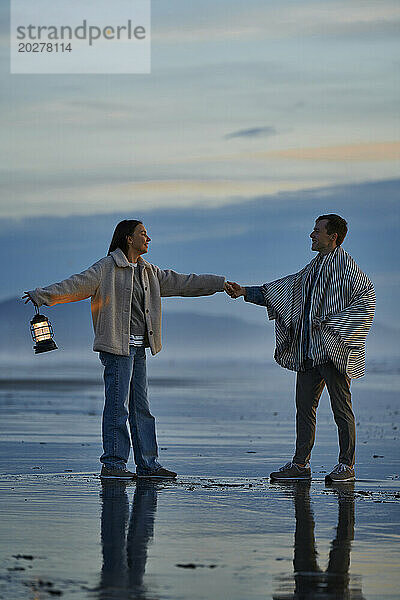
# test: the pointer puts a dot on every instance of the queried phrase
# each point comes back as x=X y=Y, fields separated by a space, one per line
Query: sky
x=257 y=116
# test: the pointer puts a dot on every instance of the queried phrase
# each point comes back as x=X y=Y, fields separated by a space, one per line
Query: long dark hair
x=122 y=230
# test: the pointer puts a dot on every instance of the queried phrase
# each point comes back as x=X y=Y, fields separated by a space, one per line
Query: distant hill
x=185 y=335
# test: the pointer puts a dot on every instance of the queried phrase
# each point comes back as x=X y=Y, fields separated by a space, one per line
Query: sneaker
x=292 y=471
x=161 y=473
x=340 y=472
x=113 y=473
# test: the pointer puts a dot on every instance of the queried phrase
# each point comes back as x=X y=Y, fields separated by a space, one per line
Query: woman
x=125 y=292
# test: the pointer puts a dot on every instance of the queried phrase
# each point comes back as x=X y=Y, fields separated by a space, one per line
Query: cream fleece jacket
x=109 y=284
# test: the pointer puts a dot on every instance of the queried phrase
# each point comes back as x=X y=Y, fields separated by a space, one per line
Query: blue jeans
x=125 y=381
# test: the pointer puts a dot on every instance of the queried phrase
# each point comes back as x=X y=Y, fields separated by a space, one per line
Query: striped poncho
x=342 y=310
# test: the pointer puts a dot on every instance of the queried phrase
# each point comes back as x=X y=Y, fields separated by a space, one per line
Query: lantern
x=42 y=333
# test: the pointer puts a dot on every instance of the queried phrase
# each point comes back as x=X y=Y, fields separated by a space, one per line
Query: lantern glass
x=42 y=334
x=42 y=331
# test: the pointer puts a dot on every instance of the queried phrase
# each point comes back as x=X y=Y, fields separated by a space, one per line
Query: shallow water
x=197 y=538
x=222 y=530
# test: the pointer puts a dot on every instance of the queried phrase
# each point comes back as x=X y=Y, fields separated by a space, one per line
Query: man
x=322 y=316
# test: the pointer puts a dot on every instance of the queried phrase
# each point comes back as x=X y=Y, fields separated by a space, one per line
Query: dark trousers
x=309 y=386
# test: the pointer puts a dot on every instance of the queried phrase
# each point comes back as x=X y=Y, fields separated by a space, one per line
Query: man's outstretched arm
x=251 y=294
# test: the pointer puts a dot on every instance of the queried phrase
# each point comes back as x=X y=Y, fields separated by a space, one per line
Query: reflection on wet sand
x=310 y=581
x=125 y=546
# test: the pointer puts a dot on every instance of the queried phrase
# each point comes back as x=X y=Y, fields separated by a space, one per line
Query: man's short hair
x=335 y=224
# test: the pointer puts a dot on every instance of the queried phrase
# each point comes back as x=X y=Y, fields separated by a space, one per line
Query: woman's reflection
x=125 y=546
x=311 y=582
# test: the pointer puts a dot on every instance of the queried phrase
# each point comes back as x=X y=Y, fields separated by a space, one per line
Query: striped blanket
x=342 y=310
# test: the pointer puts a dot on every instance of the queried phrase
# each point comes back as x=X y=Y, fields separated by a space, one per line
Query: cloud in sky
x=88 y=145
x=83 y=196
x=252 y=132
x=232 y=20
x=192 y=181
x=370 y=151
x=365 y=152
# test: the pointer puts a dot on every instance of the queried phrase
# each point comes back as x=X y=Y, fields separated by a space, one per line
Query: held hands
x=234 y=290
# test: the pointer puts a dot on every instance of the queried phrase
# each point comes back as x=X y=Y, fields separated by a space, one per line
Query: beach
x=222 y=529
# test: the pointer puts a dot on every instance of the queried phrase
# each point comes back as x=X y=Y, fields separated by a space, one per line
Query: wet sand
x=222 y=530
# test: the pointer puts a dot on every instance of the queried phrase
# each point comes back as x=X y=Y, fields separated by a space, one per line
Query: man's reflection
x=125 y=545
x=311 y=582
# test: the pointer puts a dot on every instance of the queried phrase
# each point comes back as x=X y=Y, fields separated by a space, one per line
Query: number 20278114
x=44 y=47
